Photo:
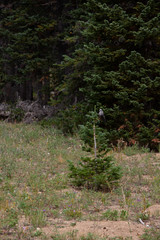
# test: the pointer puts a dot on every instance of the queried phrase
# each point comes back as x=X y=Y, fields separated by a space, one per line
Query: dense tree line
x=29 y=47
x=86 y=53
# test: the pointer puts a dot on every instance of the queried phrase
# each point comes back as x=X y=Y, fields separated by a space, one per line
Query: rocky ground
x=26 y=111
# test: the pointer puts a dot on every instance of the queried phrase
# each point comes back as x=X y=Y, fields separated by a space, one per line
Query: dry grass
x=35 y=194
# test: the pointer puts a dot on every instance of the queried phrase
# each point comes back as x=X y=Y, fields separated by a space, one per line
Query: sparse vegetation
x=151 y=234
x=115 y=215
x=35 y=192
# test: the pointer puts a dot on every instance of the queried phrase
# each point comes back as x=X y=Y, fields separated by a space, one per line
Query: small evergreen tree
x=98 y=172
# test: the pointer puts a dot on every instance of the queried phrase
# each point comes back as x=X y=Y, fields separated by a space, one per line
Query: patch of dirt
x=157 y=155
x=153 y=211
x=100 y=228
x=110 y=229
x=147 y=177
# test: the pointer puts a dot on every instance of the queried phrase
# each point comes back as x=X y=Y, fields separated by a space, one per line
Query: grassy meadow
x=35 y=191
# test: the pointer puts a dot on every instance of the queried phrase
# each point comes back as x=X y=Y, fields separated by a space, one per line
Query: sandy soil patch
x=100 y=228
x=153 y=211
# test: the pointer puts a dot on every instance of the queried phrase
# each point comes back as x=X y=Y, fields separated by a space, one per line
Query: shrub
x=16 y=115
x=68 y=120
x=95 y=173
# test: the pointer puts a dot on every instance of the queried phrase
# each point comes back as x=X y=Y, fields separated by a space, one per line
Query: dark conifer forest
x=80 y=54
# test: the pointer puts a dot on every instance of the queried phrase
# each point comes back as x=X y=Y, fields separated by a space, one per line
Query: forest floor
x=38 y=202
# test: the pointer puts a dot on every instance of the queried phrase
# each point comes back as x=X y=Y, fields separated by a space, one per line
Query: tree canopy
x=87 y=53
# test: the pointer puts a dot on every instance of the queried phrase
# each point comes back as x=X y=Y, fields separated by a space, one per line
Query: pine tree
x=116 y=64
x=28 y=39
